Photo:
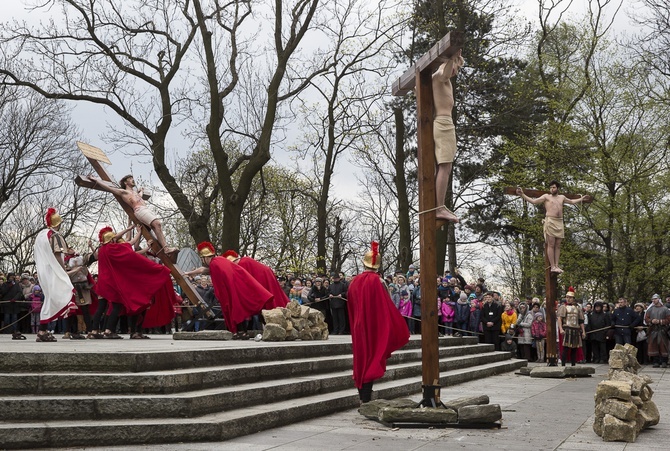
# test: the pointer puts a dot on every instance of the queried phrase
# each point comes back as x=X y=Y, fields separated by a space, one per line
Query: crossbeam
x=511 y=190
x=93 y=155
x=431 y=60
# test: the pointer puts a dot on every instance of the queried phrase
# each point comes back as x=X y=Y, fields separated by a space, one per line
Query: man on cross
x=143 y=213
x=444 y=133
x=553 y=220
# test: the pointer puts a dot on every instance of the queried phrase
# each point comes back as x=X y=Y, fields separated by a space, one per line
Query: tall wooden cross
x=420 y=77
x=95 y=156
x=550 y=280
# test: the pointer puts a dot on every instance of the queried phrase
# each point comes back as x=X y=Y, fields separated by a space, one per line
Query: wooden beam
x=511 y=190
x=550 y=280
x=87 y=182
x=430 y=61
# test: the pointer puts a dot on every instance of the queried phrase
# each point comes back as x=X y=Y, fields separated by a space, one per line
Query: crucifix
x=419 y=77
x=95 y=156
x=550 y=276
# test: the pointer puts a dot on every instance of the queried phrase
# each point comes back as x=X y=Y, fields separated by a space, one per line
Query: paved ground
x=538 y=414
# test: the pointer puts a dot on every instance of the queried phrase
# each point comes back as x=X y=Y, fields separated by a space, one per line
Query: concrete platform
x=538 y=414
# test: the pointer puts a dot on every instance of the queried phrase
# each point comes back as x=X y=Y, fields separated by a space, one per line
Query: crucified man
x=444 y=133
x=143 y=213
x=553 y=220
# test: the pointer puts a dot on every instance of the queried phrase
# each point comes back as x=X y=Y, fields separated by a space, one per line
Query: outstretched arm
x=532 y=200
x=575 y=201
x=106 y=186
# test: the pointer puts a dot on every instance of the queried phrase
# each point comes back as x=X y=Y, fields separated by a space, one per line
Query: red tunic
x=239 y=294
x=377 y=328
x=161 y=311
x=127 y=278
x=266 y=277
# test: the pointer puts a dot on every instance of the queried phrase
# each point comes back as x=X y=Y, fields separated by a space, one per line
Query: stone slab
x=204 y=335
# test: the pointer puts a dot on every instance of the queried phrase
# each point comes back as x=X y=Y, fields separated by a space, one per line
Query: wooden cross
x=550 y=279
x=420 y=77
x=95 y=156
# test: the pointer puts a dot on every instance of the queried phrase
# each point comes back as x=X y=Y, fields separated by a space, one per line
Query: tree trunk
x=404 y=236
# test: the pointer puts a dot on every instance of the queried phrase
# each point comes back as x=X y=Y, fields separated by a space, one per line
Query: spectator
x=640 y=334
x=523 y=324
x=318 y=296
x=491 y=321
x=508 y=318
x=462 y=315
x=306 y=290
x=448 y=315
x=508 y=345
x=658 y=318
x=624 y=320
x=538 y=331
x=596 y=331
x=474 y=324
x=416 y=308
x=296 y=292
x=337 y=292
x=36 y=299
x=405 y=307
x=11 y=294
x=395 y=294
x=412 y=271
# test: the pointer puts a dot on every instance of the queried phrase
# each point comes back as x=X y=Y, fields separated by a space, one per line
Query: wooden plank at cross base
x=511 y=190
x=431 y=60
x=189 y=290
x=550 y=280
x=427 y=233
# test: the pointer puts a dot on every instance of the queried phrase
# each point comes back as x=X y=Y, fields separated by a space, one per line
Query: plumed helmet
x=206 y=249
x=231 y=255
x=106 y=234
x=372 y=259
x=571 y=292
x=52 y=218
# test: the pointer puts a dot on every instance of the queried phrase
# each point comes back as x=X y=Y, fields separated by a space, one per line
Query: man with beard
x=553 y=220
x=658 y=319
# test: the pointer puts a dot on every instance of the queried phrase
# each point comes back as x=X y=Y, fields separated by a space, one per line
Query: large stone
x=299 y=323
x=557 y=372
x=371 y=409
x=637 y=401
x=488 y=413
x=598 y=425
x=457 y=403
x=292 y=335
x=316 y=333
x=294 y=309
x=316 y=316
x=623 y=410
x=636 y=381
x=616 y=430
x=431 y=415
x=304 y=311
x=648 y=415
x=305 y=334
x=617 y=359
x=274 y=332
x=612 y=389
x=646 y=393
x=274 y=316
x=579 y=371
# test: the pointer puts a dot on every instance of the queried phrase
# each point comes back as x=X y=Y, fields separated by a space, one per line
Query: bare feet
x=556 y=269
x=443 y=214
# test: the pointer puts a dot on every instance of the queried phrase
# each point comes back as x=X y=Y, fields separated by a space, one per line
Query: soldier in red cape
x=239 y=294
x=264 y=275
x=377 y=328
x=128 y=280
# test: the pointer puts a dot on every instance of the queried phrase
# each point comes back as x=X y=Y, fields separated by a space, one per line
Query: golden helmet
x=372 y=259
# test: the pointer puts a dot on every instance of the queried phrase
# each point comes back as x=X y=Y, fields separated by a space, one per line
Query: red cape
x=266 y=277
x=377 y=328
x=161 y=311
x=239 y=294
x=125 y=277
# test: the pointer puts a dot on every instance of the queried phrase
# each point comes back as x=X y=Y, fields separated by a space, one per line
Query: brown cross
x=420 y=77
x=95 y=156
x=550 y=279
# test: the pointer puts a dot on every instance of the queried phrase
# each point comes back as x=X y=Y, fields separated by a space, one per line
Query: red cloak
x=127 y=278
x=377 y=328
x=266 y=277
x=239 y=294
x=161 y=311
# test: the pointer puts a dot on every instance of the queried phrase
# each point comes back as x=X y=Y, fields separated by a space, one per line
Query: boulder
x=315 y=333
x=636 y=381
x=648 y=415
x=617 y=359
x=457 y=403
x=274 y=332
x=598 y=425
x=305 y=334
x=612 y=389
x=431 y=415
x=579 y=371
x=294 y=309
x=316 y=316
x=488 y=413
x=371 y=409
x=616 y=430
x=623 y=410
x=292 y=335
x=275 y=316
x=637 y=401
x=557 y=372
x=304 y=311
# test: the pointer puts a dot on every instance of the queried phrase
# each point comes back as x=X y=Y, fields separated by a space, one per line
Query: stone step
x=204 y=401
x=179 y=380
x=218 y=426
x=86 y=355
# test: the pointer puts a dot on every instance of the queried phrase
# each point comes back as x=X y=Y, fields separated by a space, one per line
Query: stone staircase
x=121 y=398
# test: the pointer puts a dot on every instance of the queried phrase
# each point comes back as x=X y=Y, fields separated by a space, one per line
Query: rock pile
x=294 y=322
x=623 y=401
x=471 y=411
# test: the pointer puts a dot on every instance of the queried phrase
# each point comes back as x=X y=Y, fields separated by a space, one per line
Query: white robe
x=54 y=281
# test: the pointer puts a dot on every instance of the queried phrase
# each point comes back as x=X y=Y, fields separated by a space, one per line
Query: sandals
x=45 y=338
x=18 y=336
x=94 y=335
x=112 y=336
x=241 y=336
x=138 y=335
x=77 y=336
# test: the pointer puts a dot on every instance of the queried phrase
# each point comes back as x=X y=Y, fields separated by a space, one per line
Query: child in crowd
x=448 y=314
x=509 y=345
x=36 y=299
x=538 y=331
x=406 y=307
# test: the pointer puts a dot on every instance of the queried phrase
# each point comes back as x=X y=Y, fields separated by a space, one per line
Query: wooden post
x=420 y=76
x=94 y=156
